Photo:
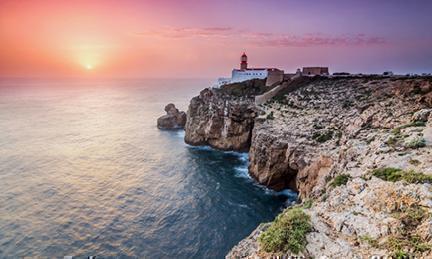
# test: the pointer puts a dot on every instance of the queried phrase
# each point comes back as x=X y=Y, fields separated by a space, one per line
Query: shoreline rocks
x=174 y=119
x=333 y=129
x=324 y=139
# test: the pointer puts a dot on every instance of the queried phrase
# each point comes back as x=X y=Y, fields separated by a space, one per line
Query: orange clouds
x=192 y=38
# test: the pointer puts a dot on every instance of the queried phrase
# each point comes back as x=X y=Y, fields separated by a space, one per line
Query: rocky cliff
x=357 y=149
x=224 y=118
x=332 y=125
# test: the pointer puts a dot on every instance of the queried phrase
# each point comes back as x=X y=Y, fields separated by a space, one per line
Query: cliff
x=358 y=151
x=223 y=118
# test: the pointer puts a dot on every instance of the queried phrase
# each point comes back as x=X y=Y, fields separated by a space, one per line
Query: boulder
x=174 y=119
x=421 y=115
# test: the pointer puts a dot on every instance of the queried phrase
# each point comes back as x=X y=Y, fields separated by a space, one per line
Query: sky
x=204 y=39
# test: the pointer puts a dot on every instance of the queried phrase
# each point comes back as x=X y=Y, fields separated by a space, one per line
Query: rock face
x=221 y=121
x=349 y=126
x=174 y=119
x=329 y=127
x=323 y=127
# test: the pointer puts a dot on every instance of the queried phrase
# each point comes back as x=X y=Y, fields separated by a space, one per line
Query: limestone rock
x=347 y=126
x=421 y=115
x=219 y=120
x=174 y=119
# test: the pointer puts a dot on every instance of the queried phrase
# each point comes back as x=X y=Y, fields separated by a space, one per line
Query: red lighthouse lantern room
x=243 y=61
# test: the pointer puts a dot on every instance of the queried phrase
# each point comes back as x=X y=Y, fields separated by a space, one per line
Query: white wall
x=243 y=75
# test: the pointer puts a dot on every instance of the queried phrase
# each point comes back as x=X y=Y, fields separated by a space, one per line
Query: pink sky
x=198 y=38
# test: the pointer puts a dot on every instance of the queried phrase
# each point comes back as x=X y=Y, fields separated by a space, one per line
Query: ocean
x=84 y=171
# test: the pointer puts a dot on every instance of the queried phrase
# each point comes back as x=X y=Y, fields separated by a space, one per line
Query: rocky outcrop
x=174 y=119
x=348 y=127
x=219 y=120
x=317 y=130
x=324 y=137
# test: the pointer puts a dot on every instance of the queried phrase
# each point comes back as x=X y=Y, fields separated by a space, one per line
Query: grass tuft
x=307 y=204
x=323 y=136
x=370 y=241
x=412 y=124
x=339 y=180
x=396 y=174
x=416 y=143
x=287 y=232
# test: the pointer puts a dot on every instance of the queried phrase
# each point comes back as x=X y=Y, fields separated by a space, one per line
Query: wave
x=242 y=172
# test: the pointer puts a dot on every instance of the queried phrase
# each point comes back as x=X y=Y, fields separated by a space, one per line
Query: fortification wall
x=315 y=71
x=260 y=99
x=274 y=76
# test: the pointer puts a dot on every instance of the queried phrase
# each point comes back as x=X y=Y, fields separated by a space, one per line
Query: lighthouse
x=244 y=73
x=243 y=61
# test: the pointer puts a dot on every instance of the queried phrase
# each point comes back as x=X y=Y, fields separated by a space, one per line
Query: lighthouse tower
x=243 y=62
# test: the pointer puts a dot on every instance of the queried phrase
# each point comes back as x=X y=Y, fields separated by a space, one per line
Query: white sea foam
x=206 y=148
x=290 y=194
x=180 y=133
x=242 y=172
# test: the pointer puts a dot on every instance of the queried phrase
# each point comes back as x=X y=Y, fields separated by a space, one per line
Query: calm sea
x=84 y=171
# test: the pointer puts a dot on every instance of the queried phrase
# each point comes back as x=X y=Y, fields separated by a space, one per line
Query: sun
x=89 y=67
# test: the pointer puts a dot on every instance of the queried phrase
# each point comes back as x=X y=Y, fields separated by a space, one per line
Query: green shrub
x=412 y=124
x=399 y=244
x=339 y=180
x=388 y=174
x=369 y=240
x=416 y=143
x=395 y=174
x=412 y=216
x=287 y=232
x=406 y=239
x=323 y=136
x=307 y=204
x=391 y=141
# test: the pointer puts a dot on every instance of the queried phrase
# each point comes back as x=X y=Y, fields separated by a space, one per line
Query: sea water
x=84 y=171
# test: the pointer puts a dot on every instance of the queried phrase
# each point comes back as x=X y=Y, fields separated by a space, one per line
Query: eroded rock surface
x=334 y=124
x=350 y=126
x=220 y=120
x=174 y=119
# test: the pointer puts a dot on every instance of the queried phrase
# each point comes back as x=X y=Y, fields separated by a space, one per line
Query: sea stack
x=174 y=119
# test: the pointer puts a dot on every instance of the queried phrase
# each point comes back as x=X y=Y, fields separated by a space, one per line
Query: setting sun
x=215 y=129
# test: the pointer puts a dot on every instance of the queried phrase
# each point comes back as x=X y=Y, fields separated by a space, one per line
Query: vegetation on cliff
x=396 y=174
x=340 y=180
x=287 y=233
x=339 y=132
x=246 y=89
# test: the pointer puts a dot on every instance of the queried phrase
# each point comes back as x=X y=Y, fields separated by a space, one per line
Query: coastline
x=322 y=129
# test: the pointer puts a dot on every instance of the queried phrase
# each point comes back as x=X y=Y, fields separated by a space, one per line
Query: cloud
x=310 y=40
x=266 y=39
x=189 y=32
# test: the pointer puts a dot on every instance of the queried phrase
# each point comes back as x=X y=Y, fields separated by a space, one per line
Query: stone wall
x=260 y=99
x=315 y=71
x=274 y=76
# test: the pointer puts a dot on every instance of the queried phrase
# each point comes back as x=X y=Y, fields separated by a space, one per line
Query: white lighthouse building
x=245 y=73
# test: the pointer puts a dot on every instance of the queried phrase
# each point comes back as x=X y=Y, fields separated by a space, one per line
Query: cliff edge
x=357 y=149
x=223 y=118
